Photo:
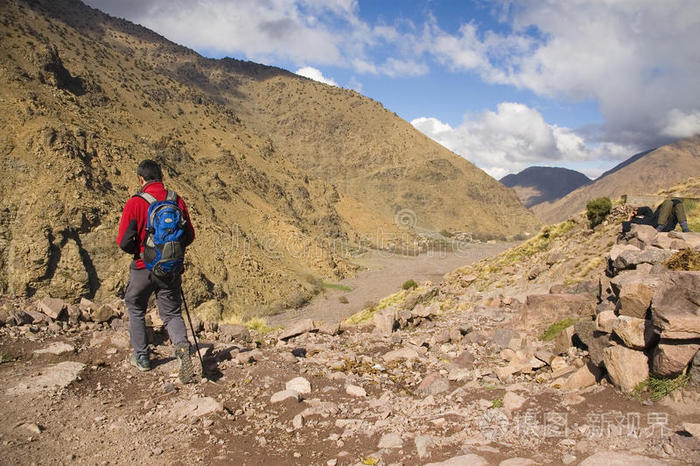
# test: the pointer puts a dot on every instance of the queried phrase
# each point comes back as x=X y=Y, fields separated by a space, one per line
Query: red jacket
x=132 y=227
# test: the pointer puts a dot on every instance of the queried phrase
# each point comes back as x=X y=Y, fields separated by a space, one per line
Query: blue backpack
x=164 y=251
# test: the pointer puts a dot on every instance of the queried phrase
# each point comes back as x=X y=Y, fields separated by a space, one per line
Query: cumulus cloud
x=638 y=60
x=315 y=74
x=318 y=32
x=514 y=137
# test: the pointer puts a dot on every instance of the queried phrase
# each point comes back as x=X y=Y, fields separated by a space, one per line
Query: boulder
x=385 y=321
x=645 y=234
x=512 y=402
x=583 y=377
x=300 y=385
x=283 y=395
x=433 y=384
x=401 y=353
x=195 y=407
x=19 y=317
x=297 y=328
x=605 y=321
x=390 y=440
x=229 y=333
x=327 y=328
x=694 y=372
x=635 y=333
x=585 y=331
x=671 y=358
x=52 y=307
x=355 y=390
x=465 y=360
x=103 y=314
x=626 y=367
x=635 y=296
x=541 y=310
x=4 y=317
x=618 y=249
x=52 y=377
x=629 y=259
x=563 y=340
x=676 y=306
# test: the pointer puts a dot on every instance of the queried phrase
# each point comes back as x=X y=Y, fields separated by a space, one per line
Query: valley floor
x=382 y=274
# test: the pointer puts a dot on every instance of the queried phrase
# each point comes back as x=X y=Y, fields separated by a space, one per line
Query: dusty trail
x=383 y=274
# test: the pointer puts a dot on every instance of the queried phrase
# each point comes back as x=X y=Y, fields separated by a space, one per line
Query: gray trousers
x=138 y=291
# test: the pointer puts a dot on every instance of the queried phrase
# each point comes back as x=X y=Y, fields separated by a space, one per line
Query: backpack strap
x=172 y=196
x=148 y=198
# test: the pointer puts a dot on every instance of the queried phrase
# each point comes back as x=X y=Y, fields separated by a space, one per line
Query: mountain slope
x=535 y=185
x=658 y=169
x=86 y=97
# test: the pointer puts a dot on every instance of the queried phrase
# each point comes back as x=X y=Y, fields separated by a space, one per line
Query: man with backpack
x=155 y=227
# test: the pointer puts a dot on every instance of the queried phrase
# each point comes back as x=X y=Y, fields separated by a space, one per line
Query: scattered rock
x=433 y=384
x=385 y=321
x=327 y=328
x=401 y=353
x=103 y=314
x=517 y=462
x=31 y=427
x=195 y=407
x=464 y=360
x=614 y=458
x=56 y=376
x=423 y=444
x=283 y=395
x=297 y=328
x=52 y=307
x=354 y=390
x=300 y=385
x=692 y=428
x=390 y=440
x=229 y=333
x=512 y=402
x=541 y=310
x=584 y=376
x=56 y=348
x=463 y=460
x=563 y=340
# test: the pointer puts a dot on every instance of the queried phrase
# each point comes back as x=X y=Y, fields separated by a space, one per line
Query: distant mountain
x=643 y=173
x=535 y=185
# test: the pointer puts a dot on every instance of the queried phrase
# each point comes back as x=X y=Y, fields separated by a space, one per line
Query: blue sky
x=507 y=84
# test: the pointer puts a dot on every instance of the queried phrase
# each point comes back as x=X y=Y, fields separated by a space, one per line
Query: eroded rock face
x=635 y=333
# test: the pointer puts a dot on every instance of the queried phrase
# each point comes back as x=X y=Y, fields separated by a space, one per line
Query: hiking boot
x=142 y=362
x=186 y=371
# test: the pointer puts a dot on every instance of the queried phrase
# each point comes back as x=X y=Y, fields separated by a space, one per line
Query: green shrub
x=408 y=284
x=597 y=210
x=554 y=329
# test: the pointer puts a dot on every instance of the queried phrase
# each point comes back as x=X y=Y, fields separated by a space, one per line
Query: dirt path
x=383 y=274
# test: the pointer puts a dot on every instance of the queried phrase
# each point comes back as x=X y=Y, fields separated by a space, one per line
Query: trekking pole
x=194 y=334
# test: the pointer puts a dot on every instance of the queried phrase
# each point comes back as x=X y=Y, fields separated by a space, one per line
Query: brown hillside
x=666 y=166
x=85 y=97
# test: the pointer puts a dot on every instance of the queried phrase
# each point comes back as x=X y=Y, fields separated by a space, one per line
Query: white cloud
x=513 y=137
x=316 y=75
x=639 y=60
x=317 y=32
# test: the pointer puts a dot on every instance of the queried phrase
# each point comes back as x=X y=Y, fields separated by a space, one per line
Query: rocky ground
x=433 y=375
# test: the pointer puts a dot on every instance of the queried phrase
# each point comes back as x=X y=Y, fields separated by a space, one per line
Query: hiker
x=157 y=266
x=665 y=218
